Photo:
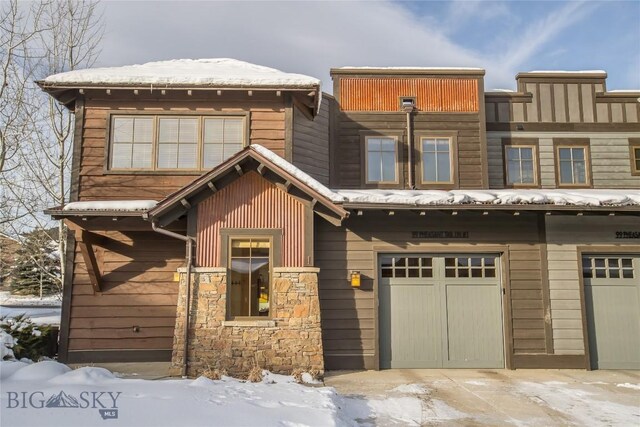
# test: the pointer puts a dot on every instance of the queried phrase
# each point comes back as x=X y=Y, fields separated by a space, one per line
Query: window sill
x=250 y=323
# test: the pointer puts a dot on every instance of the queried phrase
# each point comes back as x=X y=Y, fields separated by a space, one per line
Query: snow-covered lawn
x=45 y=311
x=51 y=394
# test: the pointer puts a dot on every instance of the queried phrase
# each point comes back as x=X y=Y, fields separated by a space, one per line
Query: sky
x=310 y=37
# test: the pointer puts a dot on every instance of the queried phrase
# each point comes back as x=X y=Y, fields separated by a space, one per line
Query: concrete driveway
x=491 y=397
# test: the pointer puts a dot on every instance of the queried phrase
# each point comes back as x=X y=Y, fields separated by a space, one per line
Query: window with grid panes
x=381 y=159
x=436 y=160
x=520 y=165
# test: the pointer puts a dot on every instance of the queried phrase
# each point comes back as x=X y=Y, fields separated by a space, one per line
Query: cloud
x=311 y=37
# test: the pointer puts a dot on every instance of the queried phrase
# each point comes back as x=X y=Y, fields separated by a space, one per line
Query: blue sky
x=311 y=37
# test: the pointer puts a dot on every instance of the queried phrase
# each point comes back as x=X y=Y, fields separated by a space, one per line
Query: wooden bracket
x=88 y=255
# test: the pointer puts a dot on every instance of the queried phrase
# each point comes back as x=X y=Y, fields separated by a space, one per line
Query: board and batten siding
x=138 y=289
x=564 y=235
x=311 y=142
x=349 y=315
x=251 y=202
x=610 y=159
x=267 y=127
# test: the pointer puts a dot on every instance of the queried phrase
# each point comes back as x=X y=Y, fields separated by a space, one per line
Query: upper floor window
x=572 y=163
x=634 y=147
x=437 y=160
x=174 y=142
x=520 y=165
x=382 y=159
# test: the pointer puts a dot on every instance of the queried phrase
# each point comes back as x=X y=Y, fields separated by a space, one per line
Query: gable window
x=572 y=163
x=437 y=164
x=634 y=147
x=520 y=161
x=167 y=142
x=381 y=159
x=249 y=274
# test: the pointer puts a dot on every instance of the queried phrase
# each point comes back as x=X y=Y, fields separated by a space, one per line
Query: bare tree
x=66 y=36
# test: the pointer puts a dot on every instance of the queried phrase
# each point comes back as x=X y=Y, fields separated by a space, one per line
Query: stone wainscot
x=290 y=339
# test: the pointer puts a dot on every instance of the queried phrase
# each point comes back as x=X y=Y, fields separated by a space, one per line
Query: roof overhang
x=180 y=202
x=59 y=213
x=549 y=209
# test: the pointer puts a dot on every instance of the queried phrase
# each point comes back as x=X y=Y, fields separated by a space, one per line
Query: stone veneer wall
x=291 y=339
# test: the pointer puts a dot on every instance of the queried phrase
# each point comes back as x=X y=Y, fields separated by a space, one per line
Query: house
x=228 y=215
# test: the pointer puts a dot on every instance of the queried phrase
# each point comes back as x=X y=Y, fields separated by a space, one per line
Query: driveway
x=491 y=397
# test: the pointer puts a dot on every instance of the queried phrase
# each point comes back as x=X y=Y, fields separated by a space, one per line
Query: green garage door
x=612 y=297
x=440 y=311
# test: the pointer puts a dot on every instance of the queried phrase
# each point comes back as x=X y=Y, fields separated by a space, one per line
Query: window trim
x=201 y=115
x=634 y=144
x=453 y=150
x=521 y=142
x=364 y=166
x=275 y=238
x=559 y=143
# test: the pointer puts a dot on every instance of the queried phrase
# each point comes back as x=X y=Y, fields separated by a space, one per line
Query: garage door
x=612 y=297
x=440 y=311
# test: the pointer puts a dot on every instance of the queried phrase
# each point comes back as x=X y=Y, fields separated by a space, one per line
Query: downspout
x=409 y=110
x=189 y=258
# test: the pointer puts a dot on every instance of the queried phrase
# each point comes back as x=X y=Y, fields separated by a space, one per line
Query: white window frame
x=587 y=165
x=534 y=157
x=155 y=143
x=366 y=159
x=451 y=161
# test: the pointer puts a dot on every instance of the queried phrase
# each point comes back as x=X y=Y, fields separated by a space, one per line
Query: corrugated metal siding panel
x=435 y=95
x=250 y=202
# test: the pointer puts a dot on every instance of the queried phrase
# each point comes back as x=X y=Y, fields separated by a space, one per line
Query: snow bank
x=111 y=205
x=215 y=72
x=6 y=345
x=41 y=371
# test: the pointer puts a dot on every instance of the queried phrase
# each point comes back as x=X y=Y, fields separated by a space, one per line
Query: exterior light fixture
x=355 y=279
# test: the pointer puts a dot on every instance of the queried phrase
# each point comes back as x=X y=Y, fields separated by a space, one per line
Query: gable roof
x=257 y=158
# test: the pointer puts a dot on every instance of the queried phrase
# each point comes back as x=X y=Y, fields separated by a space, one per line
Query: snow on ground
x=582 y=406
x=38 y=315
x=629 y=385
x=31 y=300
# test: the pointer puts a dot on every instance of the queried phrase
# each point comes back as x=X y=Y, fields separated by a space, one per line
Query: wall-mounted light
x=355 y=279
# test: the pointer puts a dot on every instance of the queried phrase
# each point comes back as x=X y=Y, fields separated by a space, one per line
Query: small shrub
x=29 y=340
x=297 y=375
x=213 y=373
x=255 y=374
x=316 y=375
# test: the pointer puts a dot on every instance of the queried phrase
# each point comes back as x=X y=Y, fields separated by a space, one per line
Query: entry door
x=440 y=311
x=612 y=299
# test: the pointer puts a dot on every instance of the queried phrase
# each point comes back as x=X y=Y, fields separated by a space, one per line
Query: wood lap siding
x=432 y=94
x=351 y=125
x=250 y=202
x=138 y=290
x=266 y=128
x=348 y=314
x=311 y=143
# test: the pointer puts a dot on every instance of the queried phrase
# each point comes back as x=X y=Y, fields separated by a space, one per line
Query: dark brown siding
x=137 y=269
x=349 y=150
x=267 y=123
x=348 y=314
x=311 y=142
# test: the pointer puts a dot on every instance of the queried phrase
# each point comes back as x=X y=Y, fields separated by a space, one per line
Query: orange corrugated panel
x=432 y=94
x=250 y=202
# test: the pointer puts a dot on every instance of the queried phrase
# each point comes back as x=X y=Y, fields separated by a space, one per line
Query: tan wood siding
x=348 y=143
x=432 y=94
x=610 y=161
x=267 y=119
x=348 y=314
x=564 y=235
x=311 y=142
x=251 y=202
x=137 y=269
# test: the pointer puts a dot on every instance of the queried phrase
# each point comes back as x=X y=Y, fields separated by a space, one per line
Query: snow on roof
x=624 y=91
x=111 y=205
x=502 y=90
x=216 y=72
x=493 y=197
x=566 y=72
x=296 y=172
x=410 y=68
